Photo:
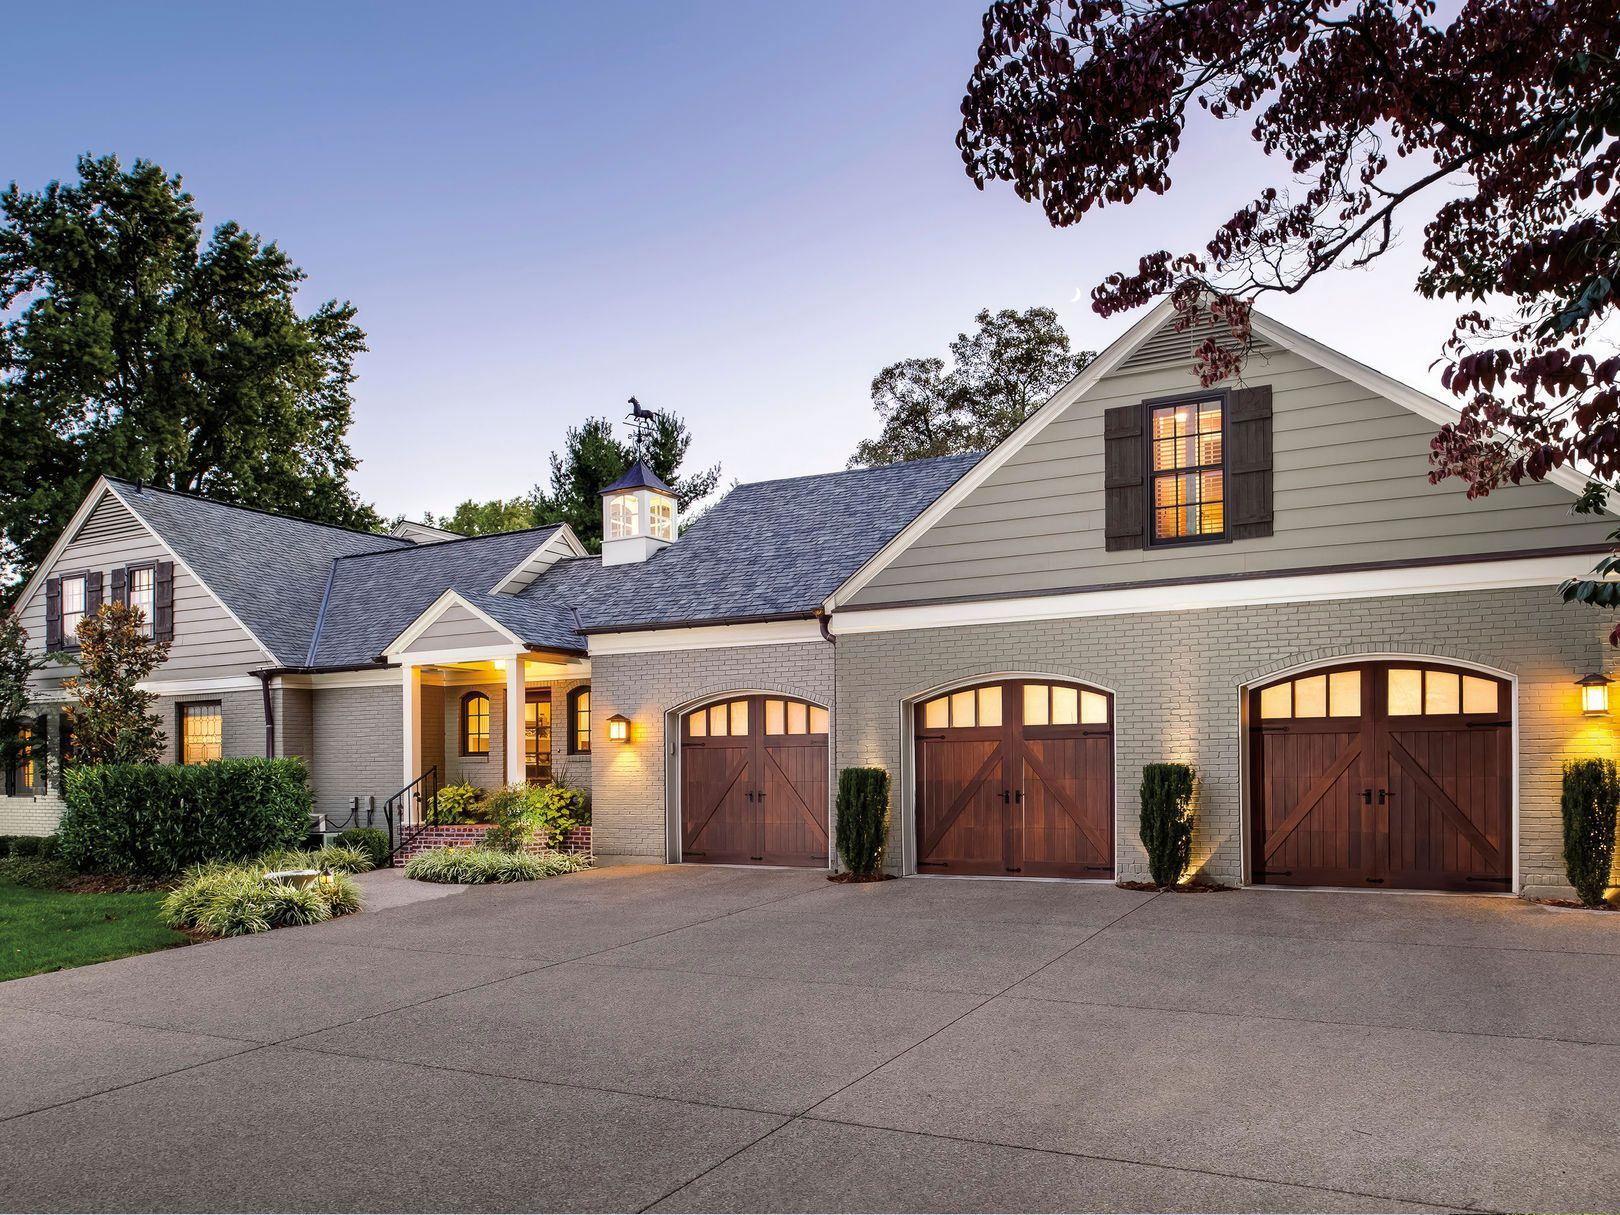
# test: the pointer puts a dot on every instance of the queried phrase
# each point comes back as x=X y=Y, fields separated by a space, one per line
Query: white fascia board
x=561 y=543
x=435 y=658
x=705 y=637
x=91 y=500
x=1285 y=588
x=393 y=650
x=383 y=677
x=1105 y=362
x=201 y=687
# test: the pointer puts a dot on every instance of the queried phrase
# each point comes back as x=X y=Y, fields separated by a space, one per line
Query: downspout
x=822 y=619
x=269 y=715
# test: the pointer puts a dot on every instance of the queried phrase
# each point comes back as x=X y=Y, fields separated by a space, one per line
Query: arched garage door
x=1016 y=777
x=1383 y=774
x=754 y=782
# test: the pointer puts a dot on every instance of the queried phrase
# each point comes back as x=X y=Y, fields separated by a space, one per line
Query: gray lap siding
x=1177 y=676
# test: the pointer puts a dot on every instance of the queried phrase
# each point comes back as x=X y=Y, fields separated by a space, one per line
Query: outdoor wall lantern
x=1594 y=694
x=619 y=728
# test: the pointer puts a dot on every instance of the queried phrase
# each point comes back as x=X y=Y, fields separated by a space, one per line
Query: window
x=579 y=721
x=202 y=732
x=1044 y=704
x=662 y=512
x=537 y=737
x=729 y=719
x=1421 y=692
x=1335 y=694
x=27 y=769
x=475 y=724
x=624 y=516
x=141 y=592
x=74 y=595
x=1188 y=474
x=794 y=717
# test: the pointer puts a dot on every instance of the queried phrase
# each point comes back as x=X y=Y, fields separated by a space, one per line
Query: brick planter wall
x=467 y=835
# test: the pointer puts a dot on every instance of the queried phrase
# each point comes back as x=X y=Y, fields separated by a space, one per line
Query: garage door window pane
x=818 y=720
x=990 y=706
x=1093 y=709
x=1277 y=700
x=937 y=714
x=1405 y=692
x=717 y=721
x=697 y=724
x=1310 y=696
x=1442 y=692
x=1344 y=694
x=962 y=713
x=1479 y=695
x=1065 y=706
x=797 y=717
x=775 y=717
x=739 y=717
x=1036 y=712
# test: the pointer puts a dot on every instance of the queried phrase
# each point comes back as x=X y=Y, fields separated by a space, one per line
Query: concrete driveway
x=726 y=1039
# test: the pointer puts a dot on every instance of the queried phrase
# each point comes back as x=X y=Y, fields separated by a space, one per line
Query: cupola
x=638 y=516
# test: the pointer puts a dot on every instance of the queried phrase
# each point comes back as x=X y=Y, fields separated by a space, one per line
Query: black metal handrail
x=421 y=795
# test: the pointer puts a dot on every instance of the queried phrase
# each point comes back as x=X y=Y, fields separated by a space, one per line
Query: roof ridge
x=140 y=488
x=438 y=544
x=871 y=468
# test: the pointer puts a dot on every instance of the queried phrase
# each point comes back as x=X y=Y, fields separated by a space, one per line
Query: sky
x=740 y=212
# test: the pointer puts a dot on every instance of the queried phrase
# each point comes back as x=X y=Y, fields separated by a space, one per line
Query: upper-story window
x=142 y=594
x=75 y=594
x=624 y=516
x=1187 y=459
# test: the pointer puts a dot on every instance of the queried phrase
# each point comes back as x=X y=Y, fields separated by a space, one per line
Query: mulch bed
x=1574 y=904
x=857 y=878
x=1184 y=888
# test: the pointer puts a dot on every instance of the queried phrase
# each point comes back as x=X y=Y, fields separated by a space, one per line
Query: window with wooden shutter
x=1249 y=462
x=163 y=602
x=1124 y=471
x=92 y=592
x=1187 y=469
x=72 y=599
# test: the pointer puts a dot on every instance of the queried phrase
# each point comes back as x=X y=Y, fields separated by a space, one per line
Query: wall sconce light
x=619 y=728
x=1594 y=694
x=500 y=664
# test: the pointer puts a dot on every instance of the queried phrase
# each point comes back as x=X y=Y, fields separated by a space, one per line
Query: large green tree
x=999 y=374
x=473 y=518
x=128 y=346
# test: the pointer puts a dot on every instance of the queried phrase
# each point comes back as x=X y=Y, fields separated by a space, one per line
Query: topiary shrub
x=157 y=819
x=478 y=865
x=863 y=819
x=1167 y=820
x=1591 y=796
x=373 y=840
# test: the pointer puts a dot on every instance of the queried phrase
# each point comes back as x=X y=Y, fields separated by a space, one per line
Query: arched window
x=579 y=721
x=475 y=724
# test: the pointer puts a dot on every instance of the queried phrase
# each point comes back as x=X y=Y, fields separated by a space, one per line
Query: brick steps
x=467 y=835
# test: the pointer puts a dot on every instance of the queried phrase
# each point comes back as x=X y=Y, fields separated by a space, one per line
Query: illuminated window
x=1414 y=692
x=141 y=592
x=1045 y=704
x=202 y=732
x=1336 y=694
x=475 y=724
x=1189 y=478
x=73 y=601
x=579 y=721
x=661 y=514
x=537 y=738
x=26 y=768
x=784 y=717
x=624 y=516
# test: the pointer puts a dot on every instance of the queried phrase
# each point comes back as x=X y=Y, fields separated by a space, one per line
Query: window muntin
x=74 y=597
x=579 y=721
x=475 y=724
x=1187 y=455
x=202 y=732
x=141 y=592
x=624 y=516
x=661 y=518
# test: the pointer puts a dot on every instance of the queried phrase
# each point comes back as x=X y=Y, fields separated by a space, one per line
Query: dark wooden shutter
x=39 y=750
x=163 y=602
x=1248 y=462
x=53 y=614
x=92 y=592
x=120 y=585
x=1124 y=479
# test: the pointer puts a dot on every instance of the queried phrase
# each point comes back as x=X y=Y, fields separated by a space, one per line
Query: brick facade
x=1177 y=680
x=630 y=781
x=468 y=835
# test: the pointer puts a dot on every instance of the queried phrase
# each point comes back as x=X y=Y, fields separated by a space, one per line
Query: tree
x=486 y=518
x=1370 y=107
x=113 y=722
x=17 y=666
x=129 y=348
x=1000 y=374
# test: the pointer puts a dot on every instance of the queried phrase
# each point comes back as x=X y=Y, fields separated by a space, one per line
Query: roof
x=269 y=570
x=638 y=476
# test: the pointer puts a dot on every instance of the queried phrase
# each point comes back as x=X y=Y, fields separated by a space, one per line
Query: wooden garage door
x=754 y=783
x=1391 y=774
x=1016 y=777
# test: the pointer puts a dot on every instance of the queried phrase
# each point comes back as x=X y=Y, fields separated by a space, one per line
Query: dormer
x=638 y=516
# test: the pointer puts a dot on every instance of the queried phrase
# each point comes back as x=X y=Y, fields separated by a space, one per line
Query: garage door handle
x=1366 y=796
x=1005 y=796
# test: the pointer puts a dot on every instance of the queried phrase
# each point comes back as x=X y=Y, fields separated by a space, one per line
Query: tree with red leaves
x=1370 y=107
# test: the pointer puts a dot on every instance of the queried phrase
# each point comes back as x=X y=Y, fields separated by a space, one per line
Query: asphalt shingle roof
x=321 y=596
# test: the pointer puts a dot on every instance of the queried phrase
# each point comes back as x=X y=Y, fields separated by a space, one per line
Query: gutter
x=705 y=622
x=824 y=619
x=270 y=672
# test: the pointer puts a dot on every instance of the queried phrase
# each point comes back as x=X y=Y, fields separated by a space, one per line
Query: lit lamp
x=1594 y=694
x=619 y=728
x=326 y=880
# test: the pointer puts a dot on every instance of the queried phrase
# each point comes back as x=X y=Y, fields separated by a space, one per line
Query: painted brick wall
x=485 y=771
x=295 y=721
x=1176 y=677
x=358 y=747
x=630 y=779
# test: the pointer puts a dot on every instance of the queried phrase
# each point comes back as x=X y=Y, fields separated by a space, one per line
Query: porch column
x=411 y=702
x=516 y=683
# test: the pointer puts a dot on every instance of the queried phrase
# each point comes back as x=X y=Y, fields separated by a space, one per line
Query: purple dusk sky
x=740 y=211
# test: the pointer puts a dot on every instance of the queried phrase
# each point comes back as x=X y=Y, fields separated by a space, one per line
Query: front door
x=1383 y=774
x=754 y=782
x=1016 y=778
x=537 y=736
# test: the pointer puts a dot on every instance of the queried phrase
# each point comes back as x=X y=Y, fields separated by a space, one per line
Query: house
x=1373 y=676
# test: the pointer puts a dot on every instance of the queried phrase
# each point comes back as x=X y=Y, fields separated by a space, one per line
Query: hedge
x=156 y=819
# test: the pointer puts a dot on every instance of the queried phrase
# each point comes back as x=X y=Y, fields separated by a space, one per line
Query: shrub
x=1591 y=795
x=236 y=900
x=333 y=858
x=521 y=813
x=49 y=846
x=478 y=865
x=461 y=804
x=159 y=818
x=36 y=872
x=374 y=840
x=1167 y=820
x=25 y=845
x=863 y=819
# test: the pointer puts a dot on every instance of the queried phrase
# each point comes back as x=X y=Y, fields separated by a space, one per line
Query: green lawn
x=44 y=930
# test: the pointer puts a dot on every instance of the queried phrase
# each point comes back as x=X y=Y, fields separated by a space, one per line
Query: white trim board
x=705 y=637
x=1285 y=588
x=1420 y=403
x=561 y=543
